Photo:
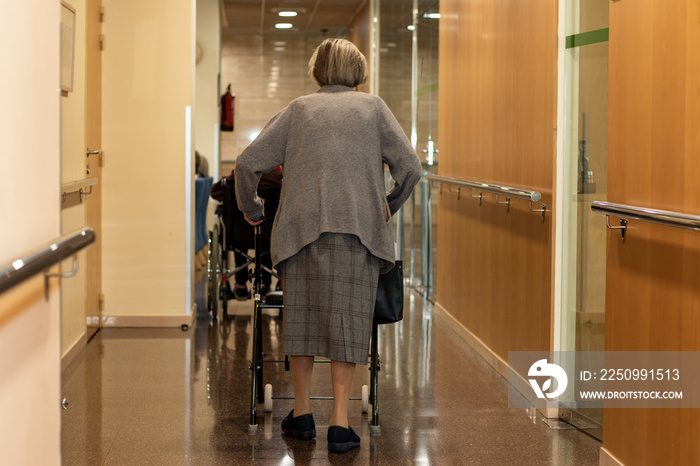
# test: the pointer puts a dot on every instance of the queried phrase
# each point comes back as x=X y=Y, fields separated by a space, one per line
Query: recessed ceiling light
x=411 y=27
x=431 y=15
x=284 y=25
x=287 y=14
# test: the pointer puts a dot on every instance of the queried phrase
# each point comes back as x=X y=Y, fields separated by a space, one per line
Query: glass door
x=408 y=83
x=583 y=294
x=395 y=81
x=423 y=217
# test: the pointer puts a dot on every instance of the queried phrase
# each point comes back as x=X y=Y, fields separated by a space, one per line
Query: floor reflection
x=166 y=396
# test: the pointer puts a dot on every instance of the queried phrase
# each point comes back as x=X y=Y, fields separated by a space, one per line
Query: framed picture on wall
x=67 y=46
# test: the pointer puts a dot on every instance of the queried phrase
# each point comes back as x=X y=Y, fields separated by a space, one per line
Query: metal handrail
x=74 y=186
x=78 y=186
x=44 y=257
x=492 y=188
x=506 y=191
x=660 y=217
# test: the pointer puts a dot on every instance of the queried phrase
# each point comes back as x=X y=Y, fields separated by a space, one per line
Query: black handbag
x=389 y=305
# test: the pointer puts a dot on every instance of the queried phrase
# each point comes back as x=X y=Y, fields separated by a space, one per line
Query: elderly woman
x=332 y=232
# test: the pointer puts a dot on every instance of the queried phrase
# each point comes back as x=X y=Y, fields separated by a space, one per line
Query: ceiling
x=327 y=17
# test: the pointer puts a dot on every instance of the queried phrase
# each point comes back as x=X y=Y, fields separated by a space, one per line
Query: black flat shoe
x=239 y=294
x=341 y=439
x=301 y=427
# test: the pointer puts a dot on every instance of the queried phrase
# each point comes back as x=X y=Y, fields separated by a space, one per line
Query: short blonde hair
x=338 y=61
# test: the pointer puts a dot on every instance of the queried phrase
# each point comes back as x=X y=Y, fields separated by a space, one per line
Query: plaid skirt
x=329 y=291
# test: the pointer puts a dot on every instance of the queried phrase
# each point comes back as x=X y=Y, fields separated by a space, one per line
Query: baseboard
x=73 y=352
x=607 y=459
x=149 y=321
x=494 y=360
x=472 y=340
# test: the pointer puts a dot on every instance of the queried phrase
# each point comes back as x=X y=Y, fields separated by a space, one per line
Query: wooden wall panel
x=653 y=297
x=497 y=122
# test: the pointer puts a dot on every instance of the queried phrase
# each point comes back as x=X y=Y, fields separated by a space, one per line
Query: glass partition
x=423 y=244
x=408 y=83
x=394 y=86
x=585 y=180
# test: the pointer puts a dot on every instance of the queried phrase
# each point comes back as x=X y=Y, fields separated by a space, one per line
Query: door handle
x=92 y=152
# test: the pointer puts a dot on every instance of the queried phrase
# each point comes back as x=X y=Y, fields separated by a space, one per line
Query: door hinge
x=101 y=304
x=102 y=14
x=102 y=41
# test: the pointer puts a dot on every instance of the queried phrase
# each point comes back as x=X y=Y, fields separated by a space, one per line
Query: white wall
x=148 y=185
x=29 y=217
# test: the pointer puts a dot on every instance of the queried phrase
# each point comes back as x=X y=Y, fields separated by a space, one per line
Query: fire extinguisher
x=228 y=102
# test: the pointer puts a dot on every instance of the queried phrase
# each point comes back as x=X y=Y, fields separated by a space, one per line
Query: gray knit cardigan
x=332 y=146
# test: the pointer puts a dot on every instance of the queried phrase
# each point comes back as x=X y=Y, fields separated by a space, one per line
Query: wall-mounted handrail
x=44 y=257
x=491 y=188
x=505 y=191
x=78 y=186
x=660 y=217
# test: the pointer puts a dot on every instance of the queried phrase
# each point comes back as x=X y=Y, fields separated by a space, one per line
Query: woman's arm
x=398 y=154
x=265 y=153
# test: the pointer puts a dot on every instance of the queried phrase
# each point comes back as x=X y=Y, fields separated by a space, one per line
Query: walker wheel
x=365 y=398
x=268 y=398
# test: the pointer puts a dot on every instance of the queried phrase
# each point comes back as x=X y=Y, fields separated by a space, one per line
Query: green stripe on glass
x=427 y=89
x=587 y=38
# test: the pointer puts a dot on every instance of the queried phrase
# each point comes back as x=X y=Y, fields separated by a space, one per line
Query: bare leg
x=341 y=374
x=302 y=366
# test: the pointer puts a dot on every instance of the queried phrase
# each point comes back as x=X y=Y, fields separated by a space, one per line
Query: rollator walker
x=220 y=242
x=262 y=394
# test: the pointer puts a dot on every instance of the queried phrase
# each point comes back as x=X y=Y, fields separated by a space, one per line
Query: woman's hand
x=254 y=222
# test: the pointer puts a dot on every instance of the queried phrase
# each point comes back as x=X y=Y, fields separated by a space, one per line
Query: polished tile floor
x=167 y=396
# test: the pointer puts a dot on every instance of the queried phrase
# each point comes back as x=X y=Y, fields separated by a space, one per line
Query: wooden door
x=653 y=279
x=93 y=161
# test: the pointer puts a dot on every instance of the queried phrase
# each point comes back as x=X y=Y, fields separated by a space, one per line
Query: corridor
x=166 y=396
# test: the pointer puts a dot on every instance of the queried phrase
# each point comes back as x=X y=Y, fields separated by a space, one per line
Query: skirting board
x=495 y=361
x=152 y=321
x=72 y=353
x=607 y=459
x=148 y=321
x=472 y=340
